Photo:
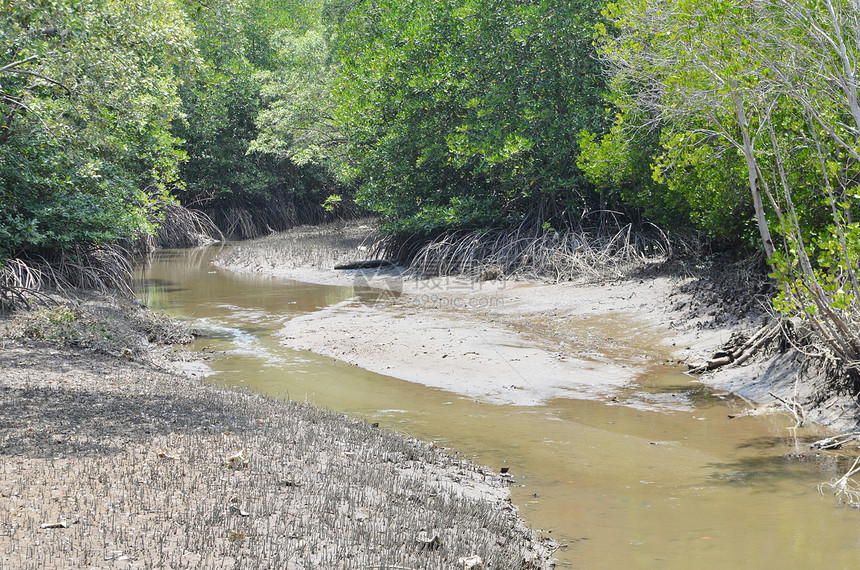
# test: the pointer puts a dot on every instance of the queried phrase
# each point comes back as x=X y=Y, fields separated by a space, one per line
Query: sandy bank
x=113 y=464
x=525 y=343
x=506 y=343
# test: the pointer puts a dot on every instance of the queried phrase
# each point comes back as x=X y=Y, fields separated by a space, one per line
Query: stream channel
x=620 y=486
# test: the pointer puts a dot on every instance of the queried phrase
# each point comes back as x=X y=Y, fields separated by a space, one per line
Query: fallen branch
x=836 y=441
x=719 y=361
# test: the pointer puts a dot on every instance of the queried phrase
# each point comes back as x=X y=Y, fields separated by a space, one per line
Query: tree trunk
x=752 y=171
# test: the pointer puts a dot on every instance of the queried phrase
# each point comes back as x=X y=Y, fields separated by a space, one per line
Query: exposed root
x=538 y=254
x=20 y=286
x=248 y=217
x=738 y=356
x=177 y=226
x=25 y=281
x=759 y=340
x=847 y=490
x=182 y=227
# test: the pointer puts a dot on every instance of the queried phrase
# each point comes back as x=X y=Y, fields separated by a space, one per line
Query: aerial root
x=756 y=342
x=847 y=490
x=539 y=254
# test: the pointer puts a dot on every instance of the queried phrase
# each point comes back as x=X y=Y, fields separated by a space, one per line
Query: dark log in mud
x=365 y=264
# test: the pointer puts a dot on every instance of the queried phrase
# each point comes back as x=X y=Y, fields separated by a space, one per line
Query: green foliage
x=332 y=203
x=621 y=164
x=50 y=201
x=227 y=104
x=465 y=114
x=87 y=92
x=755 y=104
x=663 y=152
x=834 y=265
x=219 y=105
x=297 y=120
x=676 y=74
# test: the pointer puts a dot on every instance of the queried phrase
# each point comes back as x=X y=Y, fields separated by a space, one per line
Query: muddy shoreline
x=520 y=342
x=109 y=463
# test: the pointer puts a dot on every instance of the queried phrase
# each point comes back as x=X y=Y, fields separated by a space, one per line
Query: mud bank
x=115 y=464
x=525 y=343
x=521 y=344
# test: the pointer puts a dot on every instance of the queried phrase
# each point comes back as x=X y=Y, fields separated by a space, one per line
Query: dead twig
x=794 y=408
x=836 y=441
x=847 y=490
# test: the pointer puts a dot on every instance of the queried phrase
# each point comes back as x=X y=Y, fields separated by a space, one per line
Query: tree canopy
x=750 y=113
x=466 y=114
x=88 y=94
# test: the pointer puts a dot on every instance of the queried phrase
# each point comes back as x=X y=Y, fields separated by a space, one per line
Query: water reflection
x=636 y=482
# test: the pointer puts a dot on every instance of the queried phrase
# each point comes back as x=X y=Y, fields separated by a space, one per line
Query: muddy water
x=663 y=479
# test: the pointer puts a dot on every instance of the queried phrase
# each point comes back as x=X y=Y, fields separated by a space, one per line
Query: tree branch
x=15 y=64
x=40 y=76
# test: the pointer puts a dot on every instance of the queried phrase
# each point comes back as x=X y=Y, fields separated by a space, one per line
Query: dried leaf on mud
x=471 y=562
x=238 y=460
x=168 y=453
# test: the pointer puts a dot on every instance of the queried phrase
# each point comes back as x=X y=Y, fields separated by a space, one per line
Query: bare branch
x=15 y=64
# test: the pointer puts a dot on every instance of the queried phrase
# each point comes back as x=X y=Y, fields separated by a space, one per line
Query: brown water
x=665 y=481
